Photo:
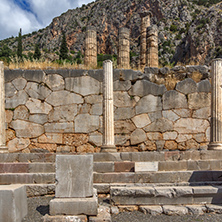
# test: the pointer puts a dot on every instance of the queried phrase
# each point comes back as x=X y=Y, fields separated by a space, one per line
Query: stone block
x=151 y=70
x=74 y=175
x=13 y=167
x=199 y=100
x=34 y=75
x=18 y=144
x=33 y=190
x=80 y=218
x=141 y=120
x=19 y=83
x=96 y=138
x=38 y=118
x=203 y=113
x=183 y=113
x=21 y=112
x=160 y=125
x=170 y=115
x=138 y=136
x=97 y=109
x=153 y=210
x=13 y=203
x=37 y=91
x=149 y=104
x=174 y=100
x=36 y=106
x=103 y=167
x=170 y=135
x=196 y=209
x=41 y=167
x=103 y=215
x=204 y=86
x=146 y=166
x=122 y=99
x=186 y=86
x=121 y=85
x=124 y=126
x=212 y=208
x=123 y=113
x=147 y=156
x=124 y=166
x=174 y=210
x=65 y=127
x=92 y=99
x=80 y=85
x=101 y=157
x=74 y=206
x=55 y=82
x=10 y=90
x=172 y=165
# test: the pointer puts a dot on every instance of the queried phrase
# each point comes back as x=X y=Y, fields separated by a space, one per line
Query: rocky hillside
x=189 y=32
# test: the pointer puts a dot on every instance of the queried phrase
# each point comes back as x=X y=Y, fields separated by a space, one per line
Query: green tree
x=63 y=48
x=19 y=49
x=37 y=53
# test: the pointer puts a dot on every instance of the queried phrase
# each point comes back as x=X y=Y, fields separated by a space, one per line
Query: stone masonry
x=124 y=48
x=90 y=58
x=160 y=109
x=145 y=23
x=152 y=47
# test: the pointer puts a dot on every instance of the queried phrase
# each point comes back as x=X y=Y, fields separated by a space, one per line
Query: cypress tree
x=37 y=53
x=19 y=49
x=63 y=48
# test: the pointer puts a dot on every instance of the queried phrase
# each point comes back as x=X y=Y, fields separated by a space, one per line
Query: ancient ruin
x=90 y=58
x=124 y=48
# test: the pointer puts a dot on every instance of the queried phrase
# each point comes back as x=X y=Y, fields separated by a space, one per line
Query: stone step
x=27 y=178
x=27 y=167
x=172 y=195
x=158 y=177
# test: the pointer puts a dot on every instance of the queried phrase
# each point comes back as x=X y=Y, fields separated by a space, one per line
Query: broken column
x=108 y=114
x=90 y=57
x=124 y=48
x=74 y=193
x=152 y=59
x=3 y=148
x=216 y=105
x=145 y=22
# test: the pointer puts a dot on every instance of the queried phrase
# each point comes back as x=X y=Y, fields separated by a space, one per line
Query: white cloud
x=12 y=17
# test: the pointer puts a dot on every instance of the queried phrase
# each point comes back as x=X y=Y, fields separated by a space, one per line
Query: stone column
x=124 y=48
x=108 y=114
x=216 y=105
x=3 y=148
x=90 y=58
x=152 y=59
x=145 y=22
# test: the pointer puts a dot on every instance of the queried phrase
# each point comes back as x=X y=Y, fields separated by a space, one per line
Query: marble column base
x=215 y=146
x=108 y=149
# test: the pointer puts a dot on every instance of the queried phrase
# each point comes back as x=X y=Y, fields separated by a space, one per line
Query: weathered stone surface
x=122 y=99
x=55 y=82
x=10 y=90
x=35 y=106
x=123 y=113
x=96 y=138
x=120 y=140
x=61 y=98
x=19 y=83
x=148 y=104
x=75 y=139
x=81 y=85
x=65 y=127
x=155 y=116
x=10 y=134
x=196 y=209
x=198 y=100
x=21 y=112
x=18 y=144
x=91 y=99
x=13 y=197
x=160 y=125
x=123 y=126
x=203 y=113
x=79 y=218
x=34 y=75
x=83 y=108
x=192 y=144
x=214 y=208
x=183 y=137
x=121 y=85
x=186 y=86
x=184 y=113
x=85 y=123
x=63 y=113
x=146 y=166
x=74 y=175
x=204 y=86
x=174 y=100
x=174 y=210
x=153 y=210
x=170 y=145
x=200 y=137
x=103 y=215
x=170 y=115
x=189 y=125
x=51 y=138
x=97 y=109
x=137 y=136
x=38 y=118
x=208 y=134
x=143 y=87
x=37 y=91
x=26 y=129
x=8 y=116
x=141 y=120
x=20 y=98
x=170 y=135
x=154 y=136
x=85 y=148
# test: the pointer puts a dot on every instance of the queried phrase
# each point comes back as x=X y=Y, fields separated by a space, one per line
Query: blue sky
x=31 y=15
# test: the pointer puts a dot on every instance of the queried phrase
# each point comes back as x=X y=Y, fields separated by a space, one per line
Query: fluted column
x=108 y=113
x=124 y=48
x=3 y=148
x=90 y=57
x=152 y=59
x=216 y=105
x=145 y=22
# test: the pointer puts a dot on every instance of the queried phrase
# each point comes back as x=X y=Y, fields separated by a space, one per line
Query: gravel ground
x=39 y=206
